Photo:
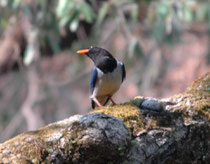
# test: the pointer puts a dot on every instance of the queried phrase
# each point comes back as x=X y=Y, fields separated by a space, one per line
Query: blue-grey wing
x=123 y=72
x=93 y=79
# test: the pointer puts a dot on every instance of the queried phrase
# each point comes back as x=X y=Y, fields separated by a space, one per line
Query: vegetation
x=84 y=22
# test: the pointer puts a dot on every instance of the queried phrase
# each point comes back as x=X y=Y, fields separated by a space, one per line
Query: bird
x=107 y=75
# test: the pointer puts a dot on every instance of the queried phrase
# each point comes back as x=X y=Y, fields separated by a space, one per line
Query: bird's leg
x=97 y=102
x=110 y=98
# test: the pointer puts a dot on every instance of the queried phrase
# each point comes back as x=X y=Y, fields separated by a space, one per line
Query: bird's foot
x=110 y=98
x=97 y=102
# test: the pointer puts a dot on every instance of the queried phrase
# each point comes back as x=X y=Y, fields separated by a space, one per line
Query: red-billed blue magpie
x=107 y=75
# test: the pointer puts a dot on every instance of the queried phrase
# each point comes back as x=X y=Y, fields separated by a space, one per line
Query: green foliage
x=134 y=48
x=169 y=16
x=72 y=12
x=52 y=17
x=102 y=13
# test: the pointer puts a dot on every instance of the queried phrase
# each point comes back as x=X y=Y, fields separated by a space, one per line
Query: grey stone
x=152 y=104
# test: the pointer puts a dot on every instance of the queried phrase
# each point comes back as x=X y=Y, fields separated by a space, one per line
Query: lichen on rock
x=195 y=101
x=79 y=139
x=34 y=146
x=144 y=130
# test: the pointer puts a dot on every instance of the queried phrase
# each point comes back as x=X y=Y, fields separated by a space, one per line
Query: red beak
x=84 y=51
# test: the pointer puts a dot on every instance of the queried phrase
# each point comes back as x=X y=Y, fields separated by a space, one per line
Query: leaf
x=138 y=50
x=102 y=13
x=74 y=25
x=63 y=21
x=69 y=15
x=162 y=10
x=159 y=31
x=134 y=48
x=16 y=3
x=61 y=7
x=29 y=55
x=87 y=12
x=74 y=16
x=54 y=42
x=134 y=13
x=202 y=12
x=188 y=14
x=131 y=47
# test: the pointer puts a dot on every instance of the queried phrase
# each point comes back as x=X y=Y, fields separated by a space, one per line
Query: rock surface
x=144 y=130
x=92 y=138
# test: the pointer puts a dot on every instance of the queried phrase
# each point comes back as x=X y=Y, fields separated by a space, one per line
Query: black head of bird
x=107 y=75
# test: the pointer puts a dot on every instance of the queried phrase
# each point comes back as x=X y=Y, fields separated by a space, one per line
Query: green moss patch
x=128 y=113
x=195 y=102
x=25 y=148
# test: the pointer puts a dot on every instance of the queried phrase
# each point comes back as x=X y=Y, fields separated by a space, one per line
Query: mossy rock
x=129 y=113
x=195 y=101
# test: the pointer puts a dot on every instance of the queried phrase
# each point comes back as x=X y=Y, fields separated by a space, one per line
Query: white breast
x=109 y=83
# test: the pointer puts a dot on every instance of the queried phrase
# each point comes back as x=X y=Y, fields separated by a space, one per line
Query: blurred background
x=164 y=44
